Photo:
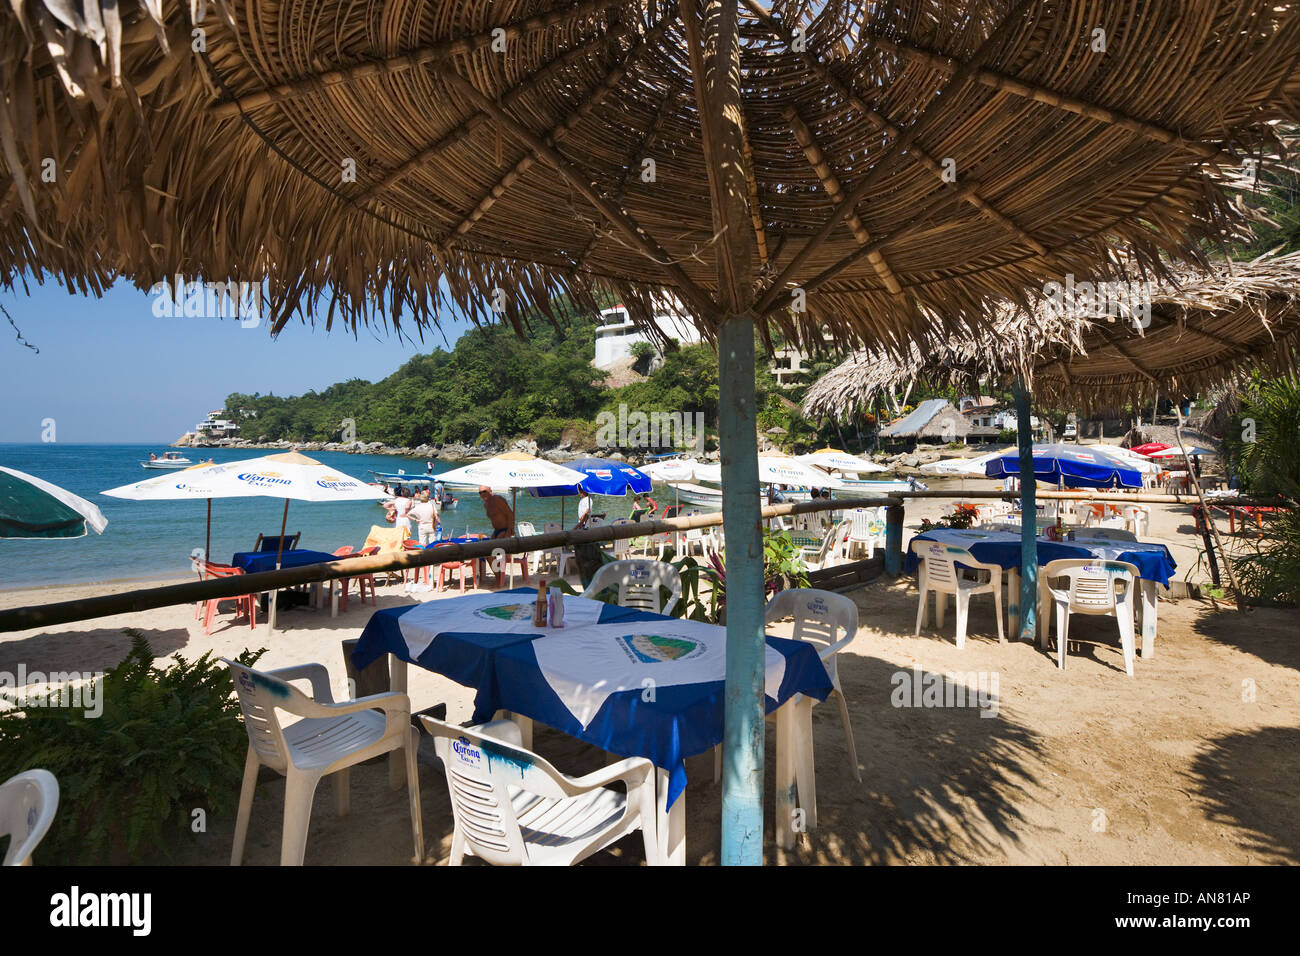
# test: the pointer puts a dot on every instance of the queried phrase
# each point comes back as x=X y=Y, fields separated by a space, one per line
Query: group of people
x=403 y=509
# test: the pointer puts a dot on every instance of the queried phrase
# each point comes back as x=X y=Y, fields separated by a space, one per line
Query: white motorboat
x=167 y=461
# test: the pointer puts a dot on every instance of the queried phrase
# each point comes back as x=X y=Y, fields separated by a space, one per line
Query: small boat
x=389 y=482
x=168 y=461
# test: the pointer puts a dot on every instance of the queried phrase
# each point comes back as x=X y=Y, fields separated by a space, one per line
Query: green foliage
x=958 y=519
x=167 y=742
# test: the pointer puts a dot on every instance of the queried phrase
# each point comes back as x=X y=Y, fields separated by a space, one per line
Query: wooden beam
x=463 y=130
x=817 y=160
x=618 y=217
x=1048 y=97
x=421 y=56
x=901 y=144
x=1124 y=354
x=570 y=122
x=751 y=184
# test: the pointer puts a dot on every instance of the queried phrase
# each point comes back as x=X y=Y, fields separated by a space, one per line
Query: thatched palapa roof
x=1204 y=327
x=900 y=161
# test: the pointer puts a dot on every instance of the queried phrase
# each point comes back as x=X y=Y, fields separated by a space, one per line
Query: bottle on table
x=539 y=609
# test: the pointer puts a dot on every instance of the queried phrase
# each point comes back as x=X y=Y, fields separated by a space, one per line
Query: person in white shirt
x=584 y=508
x=425 y=514
x=402 y=510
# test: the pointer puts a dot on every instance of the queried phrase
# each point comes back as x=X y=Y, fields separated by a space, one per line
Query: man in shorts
x=498 y=513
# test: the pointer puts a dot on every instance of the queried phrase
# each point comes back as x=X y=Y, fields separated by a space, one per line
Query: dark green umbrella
x=32 y=508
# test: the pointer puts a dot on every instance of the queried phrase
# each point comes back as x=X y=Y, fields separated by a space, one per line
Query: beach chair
x=244 y=603
x=363 y=580
x=621 y=546
x=818 y=556
x=819 y=618
x=328 y=738
x=502 y=560
x=28 y=802
x=939 y=574
x=1137 y=518
x=639 y=582
x=1093 y=587
x=511 y=807
x=410 y=575
x=560 y=556
x=866 y=527
x=386 y=540
x=460 y=567
x=272 y=542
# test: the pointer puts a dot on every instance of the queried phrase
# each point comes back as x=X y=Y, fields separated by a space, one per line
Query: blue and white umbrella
x=603 y=477
x=1072 y=465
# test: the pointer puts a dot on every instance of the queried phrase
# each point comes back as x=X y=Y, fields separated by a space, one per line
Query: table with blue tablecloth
x=1154 y=562
x=252 y=562
x=629 y=682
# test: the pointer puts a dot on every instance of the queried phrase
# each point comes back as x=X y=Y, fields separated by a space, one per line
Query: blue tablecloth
x=251 y=562
x=587 y=679
x=1153 y=561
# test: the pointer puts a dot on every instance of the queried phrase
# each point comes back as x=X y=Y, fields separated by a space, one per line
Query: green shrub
x=168 y=741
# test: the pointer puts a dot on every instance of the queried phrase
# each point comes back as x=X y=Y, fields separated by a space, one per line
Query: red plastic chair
x=470 y=564
x=245 y=603
x=413 y=574
x=363 y=580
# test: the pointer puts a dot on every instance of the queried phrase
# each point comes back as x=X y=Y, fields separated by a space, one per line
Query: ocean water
x=153 y=539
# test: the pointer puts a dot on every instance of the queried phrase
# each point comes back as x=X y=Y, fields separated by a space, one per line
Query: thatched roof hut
x=934 y=419
x=1203 y=327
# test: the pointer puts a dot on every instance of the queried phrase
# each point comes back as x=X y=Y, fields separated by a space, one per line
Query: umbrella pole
x=1028 y=516
x=207 y=538
x=279 y=553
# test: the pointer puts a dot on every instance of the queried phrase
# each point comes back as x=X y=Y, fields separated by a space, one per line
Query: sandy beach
x=1174 y=766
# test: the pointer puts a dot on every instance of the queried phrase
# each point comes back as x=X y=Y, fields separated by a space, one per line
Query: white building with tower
x=617 y=333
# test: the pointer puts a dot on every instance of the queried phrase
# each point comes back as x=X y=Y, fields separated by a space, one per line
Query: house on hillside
x=617 y=333
x=934 y=421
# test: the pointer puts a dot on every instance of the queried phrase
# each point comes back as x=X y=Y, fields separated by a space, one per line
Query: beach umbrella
x=604 y=477
x=31 y=507
x=514 y=470
x=1149 y=449
x=675 y=472
x=832 y=459
x=964 y=467
x=1074 y=465
x=1193 y=452
x=183 y=485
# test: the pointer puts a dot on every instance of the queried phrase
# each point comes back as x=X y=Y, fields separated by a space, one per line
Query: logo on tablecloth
x=658 y=649
x=505 y=612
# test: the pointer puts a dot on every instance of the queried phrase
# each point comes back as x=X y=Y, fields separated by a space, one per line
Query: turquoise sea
x=153 y=539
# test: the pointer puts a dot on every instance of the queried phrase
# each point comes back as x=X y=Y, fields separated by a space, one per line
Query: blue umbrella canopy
x=31 y=507
x=1072 y=465
x=604 y=477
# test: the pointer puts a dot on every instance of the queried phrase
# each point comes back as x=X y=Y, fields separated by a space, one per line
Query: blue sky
x=109 y=370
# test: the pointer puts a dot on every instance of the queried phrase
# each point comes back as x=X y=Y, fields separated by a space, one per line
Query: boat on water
x=389 y=482
x=167 y=461
x=707 y=497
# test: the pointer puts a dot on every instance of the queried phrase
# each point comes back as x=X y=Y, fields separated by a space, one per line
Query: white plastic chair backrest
x=819 y=617
x=482 y=770
x=639 y=581
x=1092 y=582
x=941 y=562
x=595 y=521
x=524 y=528
x=860 y=524
x=260 y=696
x=27 y=805
x=1103 y=534
x=553 y=526
x=622 y=544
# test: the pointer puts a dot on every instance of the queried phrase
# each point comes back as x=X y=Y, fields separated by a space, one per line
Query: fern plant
x=168 y=742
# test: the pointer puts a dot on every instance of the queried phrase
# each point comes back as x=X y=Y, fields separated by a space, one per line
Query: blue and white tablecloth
x=251 y=562
x=1153 y=561
x=629 y=682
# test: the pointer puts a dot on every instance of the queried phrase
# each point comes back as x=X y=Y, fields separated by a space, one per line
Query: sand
x=1192 y=761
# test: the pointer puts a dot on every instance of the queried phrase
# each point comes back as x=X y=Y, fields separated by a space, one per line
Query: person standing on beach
x=402 y=510
x=425 y=513
x=584 y=508
x=498 y=513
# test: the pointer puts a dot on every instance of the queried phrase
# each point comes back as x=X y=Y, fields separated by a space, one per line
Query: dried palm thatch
x=901 y=160
x=1204 y=328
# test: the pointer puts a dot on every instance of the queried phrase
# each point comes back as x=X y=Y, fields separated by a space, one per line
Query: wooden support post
x=1028 y=516
x=894 y=540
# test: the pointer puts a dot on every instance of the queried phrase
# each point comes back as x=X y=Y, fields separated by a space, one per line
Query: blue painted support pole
x=894 y=540
x=742 y=774
x=1028 y=516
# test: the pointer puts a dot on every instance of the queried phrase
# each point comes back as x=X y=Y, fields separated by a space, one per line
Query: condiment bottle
x=539 y=609
x=556 y=601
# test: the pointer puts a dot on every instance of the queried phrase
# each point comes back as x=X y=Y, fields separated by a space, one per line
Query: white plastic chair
x=621 y=546
x=1136 y=519
x=866 y=527
x=511 y=807
x=939 y=574
x=28 y=802
x=817 y=558
x=502 y=561
x=639 y=581
x=1092 y=590
x=819 y=617
x=1102 y=534
x=560 y=556
x=329 y=738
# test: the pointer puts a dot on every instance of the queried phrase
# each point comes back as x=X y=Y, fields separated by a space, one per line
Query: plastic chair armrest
x=634 y=771
x=318 y=674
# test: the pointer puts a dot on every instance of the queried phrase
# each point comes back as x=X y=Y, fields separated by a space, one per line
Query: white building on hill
x=617 y=334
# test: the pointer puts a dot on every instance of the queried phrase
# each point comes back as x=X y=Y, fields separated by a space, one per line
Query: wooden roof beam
x=433 y=53
x=817 y=160
x=570 y=122
x=751 y=182
x=461 y=132
x=636 y=236
x=1123 y=353
x=1049 y=97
